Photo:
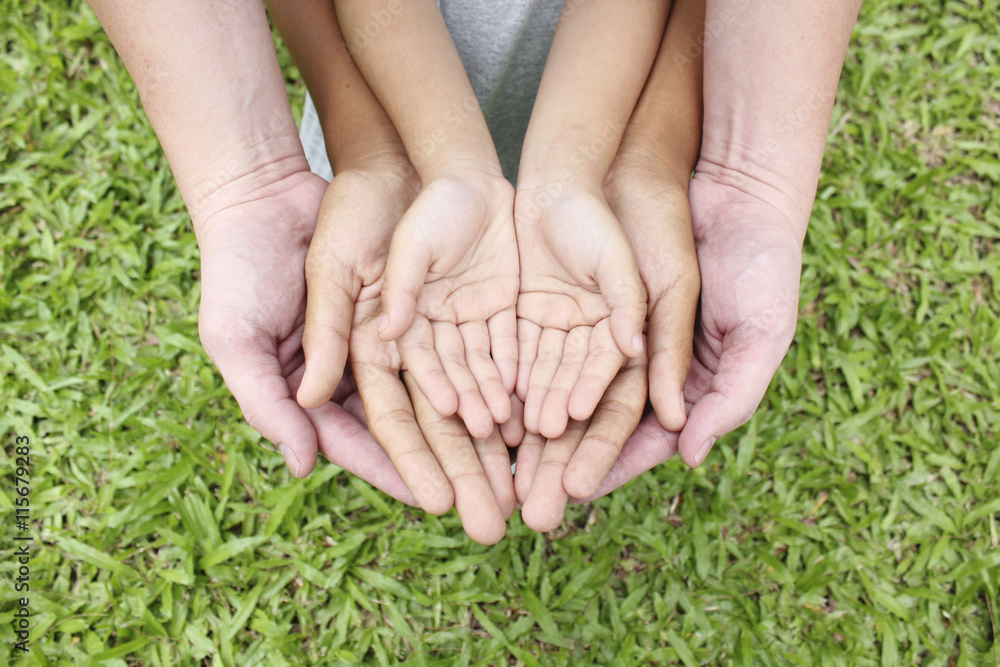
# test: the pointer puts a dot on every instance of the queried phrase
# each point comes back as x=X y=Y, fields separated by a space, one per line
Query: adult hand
x=253 y=253
x=750 y=255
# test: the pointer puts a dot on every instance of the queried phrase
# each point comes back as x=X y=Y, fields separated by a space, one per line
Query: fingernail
x=291 y=460
x=703 y=452
x=637 y=342
x=383 y=323
x=683 y=405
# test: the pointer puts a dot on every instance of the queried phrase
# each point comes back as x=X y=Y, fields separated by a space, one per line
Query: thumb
x=329 y=315
x=619 y=282
x=253 y=374
x=749 y=360
x=670 y=336
x=406 y=268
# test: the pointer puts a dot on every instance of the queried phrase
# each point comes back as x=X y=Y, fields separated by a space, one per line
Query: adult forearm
x=211 y=85
x=355 y=127
x=600 y=58
x=771 y=72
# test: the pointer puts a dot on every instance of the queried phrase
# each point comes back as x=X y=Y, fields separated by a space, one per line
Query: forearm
x=599 y=60
x=396 y=44
x=665 y=129
x=210 y=83
x=771 y=73
x=355 y=127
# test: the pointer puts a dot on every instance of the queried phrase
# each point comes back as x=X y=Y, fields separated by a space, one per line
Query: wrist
x=534 y=203
x=432 y=160
x=242 y=174
x=388 y=162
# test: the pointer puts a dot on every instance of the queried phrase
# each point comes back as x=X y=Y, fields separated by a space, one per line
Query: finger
x=555 y=408
x=329 y=314
x=529 y=454
x=476 y=338
x=406 y=267
x=550 y=348
x=528 y=335
x=474 y=500
x=622 y=289
x=746 y=366
x=670 y=339
x=503 y=346
x=599 y=370
x=545 y=506
x=393 y=425
x=253 y=374
x=616 y=417
x=495 y=460
x=416 y=351
x=512 y=430
x=345 y=441
x=471 y=407
x=649 y=446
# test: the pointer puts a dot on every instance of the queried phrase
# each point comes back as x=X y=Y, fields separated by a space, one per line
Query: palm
x=750 y=260
x=450 y=287
x=475 y=275
x=577 y=270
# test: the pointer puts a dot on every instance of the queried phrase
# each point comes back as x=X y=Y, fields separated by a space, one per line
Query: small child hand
x=450 y=287
x=581 y=305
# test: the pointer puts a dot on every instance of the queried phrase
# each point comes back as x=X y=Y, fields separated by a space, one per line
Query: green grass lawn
x=853 y=521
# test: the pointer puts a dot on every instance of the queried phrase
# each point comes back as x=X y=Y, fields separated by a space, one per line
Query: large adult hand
x=346 y=267
x=750 y=256
x=253 y=254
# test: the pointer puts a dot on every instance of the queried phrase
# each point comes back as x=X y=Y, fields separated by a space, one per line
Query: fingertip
x=542 y=517
x=552 y=423
x=444 y=401
x=487 y=532
x=312 y=393
x=581 y=408
x=437 y=503
x=669 y=408
x=300 y=459
x=580 y=483
x=398 y=308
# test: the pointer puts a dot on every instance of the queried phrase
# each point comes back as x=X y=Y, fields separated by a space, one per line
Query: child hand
x=653 y=209
x=451 y=282
x=345 y=271
x=580 y=308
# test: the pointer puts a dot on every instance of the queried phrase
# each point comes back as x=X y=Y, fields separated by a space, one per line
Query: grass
x=853 y=521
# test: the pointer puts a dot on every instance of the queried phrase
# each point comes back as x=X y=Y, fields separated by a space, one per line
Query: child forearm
x=355 y=127
x=599 y=60
x=666 y=123
x=396 y=44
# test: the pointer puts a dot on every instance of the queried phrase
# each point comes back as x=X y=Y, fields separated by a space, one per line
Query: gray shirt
x=503 y=45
